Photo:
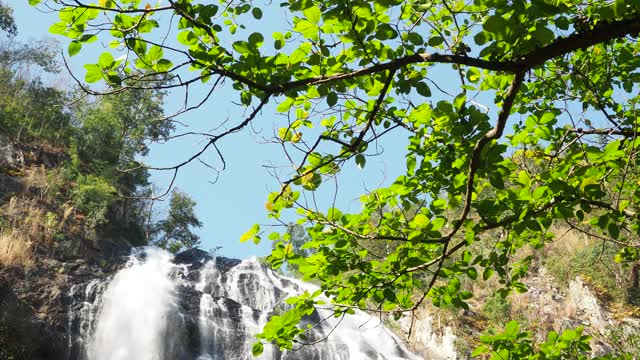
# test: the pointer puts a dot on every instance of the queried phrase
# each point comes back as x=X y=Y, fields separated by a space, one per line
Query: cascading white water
x=153 y=309
x=256 y=292
x=359 y=335
x=82 y=317
x=132 y=323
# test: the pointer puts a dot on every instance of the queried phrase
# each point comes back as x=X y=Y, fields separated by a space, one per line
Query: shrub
x=497 y=308
x=93 y=196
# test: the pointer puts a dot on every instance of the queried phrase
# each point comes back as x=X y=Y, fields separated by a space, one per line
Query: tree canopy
x=518 y=115
x=174 y=233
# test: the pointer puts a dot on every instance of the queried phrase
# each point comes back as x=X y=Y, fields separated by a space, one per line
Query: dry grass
x=15 y=249
x=25 y=224
x=567 y=241
x=36 y=179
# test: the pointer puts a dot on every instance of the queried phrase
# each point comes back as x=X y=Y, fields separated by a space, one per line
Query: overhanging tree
x=518 y=115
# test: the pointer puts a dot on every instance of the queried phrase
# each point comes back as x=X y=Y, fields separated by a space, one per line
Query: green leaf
x=256 y=39
x=300 y=54
x=257 y=13
x=332 y=99
x=496 y=24
x=423 y=89
x=257 y=349
x=285 y=134
x=113 y=78
x=415 y=38
x=154 y=54
x=543 y=35
x=435 y=41
x=74 y=47
x=487 y=273
x=250 y=234
x=420 y=221
x=619 y=8
x=472 y=273
x=311 y=181
x=163 y=65
x=360 y=161
x=187 y=38
x=439 y=204
x=106 y=61
x=94 y=73
x=473 y=75
x=58 y=28
x=524 y=178
x=242 y=47
x=285 y=105
x=562 y=23
x=482 y=349
x=88 y=38
x=245 y=98
x=512 y=328
x=307 y=29
x=313 y=14
x=437 y=223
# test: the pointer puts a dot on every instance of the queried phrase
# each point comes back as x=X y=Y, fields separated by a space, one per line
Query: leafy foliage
x=174 y=233
x=7 y=22
x=518 y=115
x=513 y=344
x=93 y=196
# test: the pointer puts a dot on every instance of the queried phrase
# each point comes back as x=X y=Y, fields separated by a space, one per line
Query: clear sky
x=236 y=200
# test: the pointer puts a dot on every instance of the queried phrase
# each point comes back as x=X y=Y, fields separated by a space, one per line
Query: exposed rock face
x=553 y=309
x=25 y=334
x=33 y=308
x=35 y=302
x=10 y=159
x=10 y=155
x=19 y=156
x=430 y=341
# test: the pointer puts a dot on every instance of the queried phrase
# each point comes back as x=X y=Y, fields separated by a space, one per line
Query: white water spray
x=132 y=323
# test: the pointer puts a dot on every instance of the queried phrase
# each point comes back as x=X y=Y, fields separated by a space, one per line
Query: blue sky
x=236 y=200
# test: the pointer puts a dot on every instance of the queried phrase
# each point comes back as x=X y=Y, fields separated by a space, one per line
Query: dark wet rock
x=225 y=264
x=25 y=334
x=194 y=257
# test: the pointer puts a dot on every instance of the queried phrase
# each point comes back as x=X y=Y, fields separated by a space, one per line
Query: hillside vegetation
x=70 y=173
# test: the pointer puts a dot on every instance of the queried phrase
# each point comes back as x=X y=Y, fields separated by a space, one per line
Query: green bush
x=93 y=196
x=497 y=309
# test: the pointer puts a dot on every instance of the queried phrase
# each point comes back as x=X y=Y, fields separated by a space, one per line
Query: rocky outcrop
x=25 y=334
x=11 y=160
x=10 y=154
x=429 y=340
x=35 y=303
x=16 y=158
x=32 y=310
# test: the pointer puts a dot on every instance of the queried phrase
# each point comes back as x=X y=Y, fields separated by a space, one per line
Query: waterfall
x=194 y=307
x=132 y=323
x=235 y=304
